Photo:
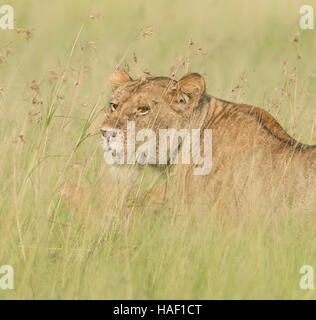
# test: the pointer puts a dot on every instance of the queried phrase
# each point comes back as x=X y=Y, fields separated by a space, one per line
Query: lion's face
x=151 y=103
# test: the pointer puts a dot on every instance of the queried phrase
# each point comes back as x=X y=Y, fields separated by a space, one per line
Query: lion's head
x=151 y=103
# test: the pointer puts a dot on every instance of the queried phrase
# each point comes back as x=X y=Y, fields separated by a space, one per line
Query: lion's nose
x=103 y=132
x=108 y=134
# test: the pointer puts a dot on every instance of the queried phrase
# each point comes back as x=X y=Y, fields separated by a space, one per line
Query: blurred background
x=54 y=83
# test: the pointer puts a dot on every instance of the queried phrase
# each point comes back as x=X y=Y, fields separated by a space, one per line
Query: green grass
x=49 y=136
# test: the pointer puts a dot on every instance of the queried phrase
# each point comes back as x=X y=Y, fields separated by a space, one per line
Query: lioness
x=247 y=142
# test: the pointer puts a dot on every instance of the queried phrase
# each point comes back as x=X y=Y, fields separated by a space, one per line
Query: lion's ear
x=193 y=85
x=118 y=78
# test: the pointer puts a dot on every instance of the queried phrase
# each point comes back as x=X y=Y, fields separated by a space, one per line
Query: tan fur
x=247 y=141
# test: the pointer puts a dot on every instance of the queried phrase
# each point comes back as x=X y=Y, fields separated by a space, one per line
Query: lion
x=247 y=142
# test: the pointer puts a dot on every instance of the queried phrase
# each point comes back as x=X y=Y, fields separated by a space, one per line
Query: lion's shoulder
x=269 y=124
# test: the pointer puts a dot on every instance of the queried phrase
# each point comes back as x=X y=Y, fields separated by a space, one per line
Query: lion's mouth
x=114 y=150
x=110 y=148
x=105 y=145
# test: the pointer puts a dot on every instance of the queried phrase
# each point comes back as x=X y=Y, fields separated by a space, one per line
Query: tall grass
x=54 y=83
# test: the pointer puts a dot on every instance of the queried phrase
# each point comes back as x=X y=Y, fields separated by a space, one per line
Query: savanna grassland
x=55 y=68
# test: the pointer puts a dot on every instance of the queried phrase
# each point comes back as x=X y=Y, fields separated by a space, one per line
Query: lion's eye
x=113 y=106
x=184 y=99
x=143 y=110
